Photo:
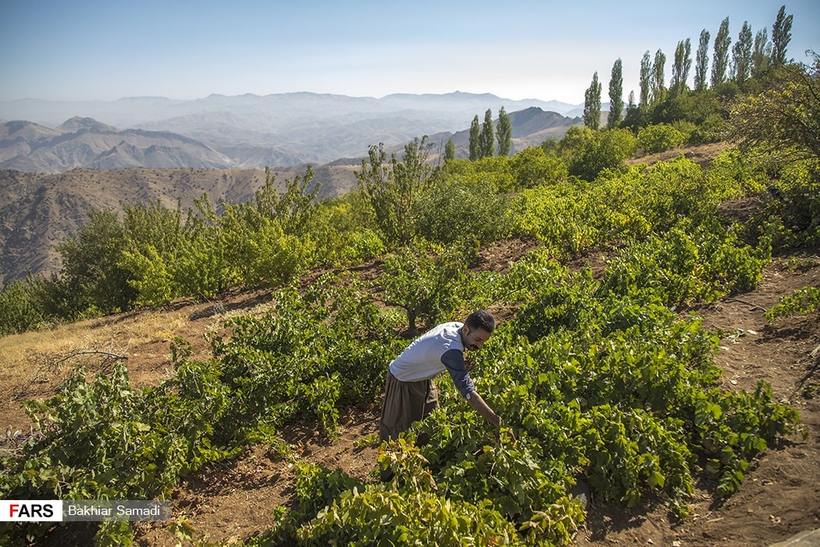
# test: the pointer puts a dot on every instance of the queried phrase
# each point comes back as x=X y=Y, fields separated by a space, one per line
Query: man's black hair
x=481 y=319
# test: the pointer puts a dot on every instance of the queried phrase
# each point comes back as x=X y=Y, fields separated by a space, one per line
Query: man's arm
x=453 y=360
x=481 y=407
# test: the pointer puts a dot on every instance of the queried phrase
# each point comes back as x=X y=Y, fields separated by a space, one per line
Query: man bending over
x=409 y=391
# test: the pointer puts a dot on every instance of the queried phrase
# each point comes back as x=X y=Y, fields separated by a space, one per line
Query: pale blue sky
x=103 y=50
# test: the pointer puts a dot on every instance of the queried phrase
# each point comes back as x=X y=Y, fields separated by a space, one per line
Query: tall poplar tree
x=645 y=79
x=487 y=139
x=680 y=70
x=702 y=61
x=720 y=58
x=475 y=140
x=761 y=54
x=592 y=104
x=504 y=134
x=658 y=86
x=742 y=54
x=616 y=95
x=449 y=150
x=781 y=36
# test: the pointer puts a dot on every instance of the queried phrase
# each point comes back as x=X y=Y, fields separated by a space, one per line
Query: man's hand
x=478 y=403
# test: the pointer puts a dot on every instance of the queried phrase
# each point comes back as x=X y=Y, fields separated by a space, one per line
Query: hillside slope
x=37 y=211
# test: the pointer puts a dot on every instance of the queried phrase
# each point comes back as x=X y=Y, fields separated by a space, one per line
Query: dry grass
x=35 y=363
x=702 y=154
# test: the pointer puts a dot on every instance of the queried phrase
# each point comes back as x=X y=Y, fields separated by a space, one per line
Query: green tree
x=616 y=95
x=504 y=135
x=589 y=152
x=634 y=115
x=742 y=54
x=702 y=61
x=93 y=278
x=761 y=54
x=295 y=207
x=25 y=303
x=475 y=140
x=720 y=57
x=152 y=278
x=781 y=36
x=658 y=85
x=449 y=150
x=487 y=140
x=680 y=70
x=645 y=80
x=784 y=120
x=534 y=165
x=423 y=279
x=659 y=137
x=592 y=103
x=393 y=187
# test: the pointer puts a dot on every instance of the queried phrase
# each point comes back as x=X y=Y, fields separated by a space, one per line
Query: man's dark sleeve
x=453 y=360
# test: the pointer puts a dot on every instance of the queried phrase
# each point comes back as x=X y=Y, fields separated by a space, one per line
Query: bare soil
x=234 y=500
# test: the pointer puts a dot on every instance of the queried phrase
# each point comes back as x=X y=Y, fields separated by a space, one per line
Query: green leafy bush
x=589 y=152
x=452 y=212
x=24 y=304
x=659 y=137
x=801 y=301
x=424 y=281
x=533 y=166
x=393 y=518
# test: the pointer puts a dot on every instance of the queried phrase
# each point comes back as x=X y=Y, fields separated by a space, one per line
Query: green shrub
x=452 y=211
x=420 y=518
x=533 y=166
x=592 y=153
x=494 y=173
x=659 y=137
x=424 y=280
x=714 y=128
x=150 y=277
x=24 y=304
x=801 y=301
x=91 y=272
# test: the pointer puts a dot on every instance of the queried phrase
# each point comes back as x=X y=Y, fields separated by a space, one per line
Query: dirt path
x=702 y=154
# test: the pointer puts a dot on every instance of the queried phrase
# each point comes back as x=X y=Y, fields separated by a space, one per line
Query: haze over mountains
x=234 y=131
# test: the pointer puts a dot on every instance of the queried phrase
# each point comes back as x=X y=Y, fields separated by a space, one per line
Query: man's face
x=474 y=338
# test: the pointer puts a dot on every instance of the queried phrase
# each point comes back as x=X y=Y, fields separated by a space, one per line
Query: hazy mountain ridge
x=87 y=143
x=282 y=129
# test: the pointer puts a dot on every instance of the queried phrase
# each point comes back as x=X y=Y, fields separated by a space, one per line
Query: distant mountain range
x=279 y=130
x=85 y=142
